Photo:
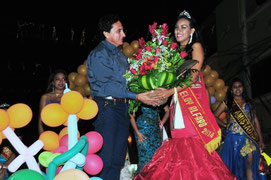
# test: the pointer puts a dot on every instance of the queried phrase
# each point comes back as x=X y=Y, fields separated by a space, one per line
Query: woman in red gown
x=190 y=154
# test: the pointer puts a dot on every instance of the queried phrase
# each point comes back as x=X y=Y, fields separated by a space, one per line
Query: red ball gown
x=185 y=156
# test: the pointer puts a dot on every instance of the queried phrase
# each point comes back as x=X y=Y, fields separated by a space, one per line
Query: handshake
x=155 y=97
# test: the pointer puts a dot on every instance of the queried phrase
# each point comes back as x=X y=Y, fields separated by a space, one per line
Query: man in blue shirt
x=106 y=65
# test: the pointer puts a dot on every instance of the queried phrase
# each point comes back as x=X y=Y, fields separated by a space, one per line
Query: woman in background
x=147 y=132
x=243 y=141
x=54 y=92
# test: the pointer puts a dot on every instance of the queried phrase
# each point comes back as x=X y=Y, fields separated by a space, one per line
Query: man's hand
x=148 y=98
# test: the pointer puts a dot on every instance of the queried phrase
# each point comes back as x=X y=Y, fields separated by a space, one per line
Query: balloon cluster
x=65 y=155
x=18 y=116
x=78 y=80
x=129 y=49
x=65 y=147
x=216 y=88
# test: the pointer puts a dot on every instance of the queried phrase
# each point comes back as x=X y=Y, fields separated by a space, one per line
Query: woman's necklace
x=58 y=94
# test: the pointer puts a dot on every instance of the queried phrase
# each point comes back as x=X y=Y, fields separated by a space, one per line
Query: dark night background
x=29 y=55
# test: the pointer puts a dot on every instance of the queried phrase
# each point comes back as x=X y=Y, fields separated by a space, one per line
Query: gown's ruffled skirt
x=185 y=159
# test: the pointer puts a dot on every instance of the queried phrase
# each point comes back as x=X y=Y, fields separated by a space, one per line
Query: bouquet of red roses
x=155 y=64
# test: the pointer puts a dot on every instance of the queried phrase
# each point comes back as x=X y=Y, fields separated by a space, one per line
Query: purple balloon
x=213 y=100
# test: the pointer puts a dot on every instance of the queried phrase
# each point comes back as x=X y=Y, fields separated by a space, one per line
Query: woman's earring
x=190 y=39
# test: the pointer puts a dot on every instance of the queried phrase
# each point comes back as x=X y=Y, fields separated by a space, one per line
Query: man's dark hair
x=106 y=22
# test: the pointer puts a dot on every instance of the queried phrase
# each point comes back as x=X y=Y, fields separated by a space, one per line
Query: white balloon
x=26 y=154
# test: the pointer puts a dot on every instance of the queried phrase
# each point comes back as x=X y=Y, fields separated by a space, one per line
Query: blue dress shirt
x=106 y=65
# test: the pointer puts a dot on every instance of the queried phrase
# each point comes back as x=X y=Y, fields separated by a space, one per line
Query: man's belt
x=110 y=98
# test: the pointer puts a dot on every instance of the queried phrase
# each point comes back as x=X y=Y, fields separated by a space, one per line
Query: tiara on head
x=185 y=13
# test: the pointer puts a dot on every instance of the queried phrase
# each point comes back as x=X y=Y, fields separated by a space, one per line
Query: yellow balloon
x=4 y=122
x=209 y=80
x=19 y=115
x=82 y=69
x=214 y=74
x=1 y=137
x=128 y=50
x=71 y=84
x=80 y=89
x=135 y=45
x=219 y=84
x=89 y=110
x=72 y=174
x=64 y=131
x=87 y=89
x=125 y=44
x=220 y=95
x=53 y=115
x=72 y=76
x=50 y=140
x=206 y=71
x=72 y=102
x=80 y=80
x=211 y=90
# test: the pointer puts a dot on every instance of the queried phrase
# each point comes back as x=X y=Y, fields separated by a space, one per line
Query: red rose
x=133 y=71
x=157 y=50
x=152 y=28
x=164 y=29
x=156 y=58
x=139 y=50
x=183 y=54
x=141 y=42
x=148 y=48
x=142 y=73
x=150 y=66
x=173 y=45
x=147 y=65
x=142 y=70
x=138 y=56
x=165 y=43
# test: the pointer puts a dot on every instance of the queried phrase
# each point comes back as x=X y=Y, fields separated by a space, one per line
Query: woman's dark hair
x=230 y=97
x=52 y=77
x=244 y=94
x=105 y=23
